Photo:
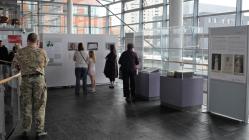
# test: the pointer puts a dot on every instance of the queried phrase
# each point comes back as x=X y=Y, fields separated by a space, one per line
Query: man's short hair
x=1 y=41
x=32 y=37
x=129 y=46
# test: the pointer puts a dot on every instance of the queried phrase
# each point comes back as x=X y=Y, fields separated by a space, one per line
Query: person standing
x=91 y=70
x=81 y=64
x=31 y=62
x=12 y=53
x=111 y=66
x=4 y=54
x=129 y=61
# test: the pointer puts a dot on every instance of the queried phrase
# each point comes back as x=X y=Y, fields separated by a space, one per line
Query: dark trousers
x=129 y=84
x=81 y=73
x=112 y=79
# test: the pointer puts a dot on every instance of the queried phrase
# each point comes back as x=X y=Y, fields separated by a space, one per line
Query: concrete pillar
x=69 y=16
x=176 y=13
x=175 y=34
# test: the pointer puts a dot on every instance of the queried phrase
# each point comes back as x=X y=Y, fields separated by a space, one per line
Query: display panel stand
x=228 y=79
x=181 y=92
x=148 y=85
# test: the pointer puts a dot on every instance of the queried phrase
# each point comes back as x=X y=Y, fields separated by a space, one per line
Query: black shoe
x=41 y=134
x=128 y=100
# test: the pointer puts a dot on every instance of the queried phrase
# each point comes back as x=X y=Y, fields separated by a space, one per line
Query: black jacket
x=128 y=61
x=4 y=55
x=111 y=66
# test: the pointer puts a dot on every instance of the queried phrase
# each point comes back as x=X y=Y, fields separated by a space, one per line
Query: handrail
x=9 y=78
x=5 y=61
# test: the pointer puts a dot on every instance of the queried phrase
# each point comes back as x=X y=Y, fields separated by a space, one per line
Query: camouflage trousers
x=33 y=102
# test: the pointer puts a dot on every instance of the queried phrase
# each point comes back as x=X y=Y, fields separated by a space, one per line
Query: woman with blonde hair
x=91 y=70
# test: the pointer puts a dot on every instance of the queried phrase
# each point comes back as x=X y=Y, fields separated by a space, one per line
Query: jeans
x=81 y=74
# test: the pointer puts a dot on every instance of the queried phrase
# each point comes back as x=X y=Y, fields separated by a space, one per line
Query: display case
x=175 y=49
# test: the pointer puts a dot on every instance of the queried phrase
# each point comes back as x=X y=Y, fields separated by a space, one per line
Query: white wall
x=61 y=71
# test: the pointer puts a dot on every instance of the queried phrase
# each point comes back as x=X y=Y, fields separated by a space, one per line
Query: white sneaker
x=93 y=91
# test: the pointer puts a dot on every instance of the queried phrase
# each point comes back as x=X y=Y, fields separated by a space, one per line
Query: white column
x=175 y=34
x=176 y=13
x=69 y=16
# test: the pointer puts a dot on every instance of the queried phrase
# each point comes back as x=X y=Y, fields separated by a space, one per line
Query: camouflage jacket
x=30 y=60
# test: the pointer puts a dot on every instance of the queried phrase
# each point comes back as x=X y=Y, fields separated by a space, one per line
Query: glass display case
x=175 y=49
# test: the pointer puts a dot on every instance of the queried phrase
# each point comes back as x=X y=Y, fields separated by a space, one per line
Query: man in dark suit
x=128 y=61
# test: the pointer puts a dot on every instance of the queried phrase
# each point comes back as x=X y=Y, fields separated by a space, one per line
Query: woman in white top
x=81 y=65
x=91 y=70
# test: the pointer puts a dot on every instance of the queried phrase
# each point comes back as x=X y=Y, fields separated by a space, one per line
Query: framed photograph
x=227 y=63
x=216 y=62
x=238 y=64
x=72 y=46
x=92 y=46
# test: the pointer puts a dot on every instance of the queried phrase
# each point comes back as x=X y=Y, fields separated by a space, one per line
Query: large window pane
x=152 y=2
x=115 y=8
x=52 y=8
x=80 y=10
x=153 y=25
x=216 y=21
x=97 y=30
x=80 y=30
x=245 y=5
x=134 y=28
x=98 y=22
x=131 y=5
x=80 y=21
x=50 y=29
x=132 y=17
x=188 y=8
x=114 y=20
x=245 y=18
x=207 y=7
x=115 y=30
x=55 y=20
x=90 y=2
x=98 y=11
x=153 y=14
x=188 y=21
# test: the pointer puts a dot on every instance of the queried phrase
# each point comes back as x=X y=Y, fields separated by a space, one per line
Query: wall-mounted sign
x=14 y=38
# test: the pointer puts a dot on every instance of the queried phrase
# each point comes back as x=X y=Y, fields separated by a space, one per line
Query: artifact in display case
x=183 y=74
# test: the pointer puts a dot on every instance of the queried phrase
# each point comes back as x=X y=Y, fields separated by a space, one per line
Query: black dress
x=111 y=66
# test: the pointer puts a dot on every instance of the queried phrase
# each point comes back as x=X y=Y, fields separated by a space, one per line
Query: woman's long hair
x=112 y=49
x=92 y=55
x=80 y=47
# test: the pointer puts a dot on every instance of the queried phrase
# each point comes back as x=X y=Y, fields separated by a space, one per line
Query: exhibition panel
x=60 y=49
x=228 y=82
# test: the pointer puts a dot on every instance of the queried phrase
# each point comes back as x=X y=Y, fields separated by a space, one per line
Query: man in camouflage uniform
x=31 y=61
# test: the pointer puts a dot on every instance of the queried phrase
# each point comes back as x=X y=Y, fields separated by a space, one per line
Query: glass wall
x=207 y=7
x=245 y=5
